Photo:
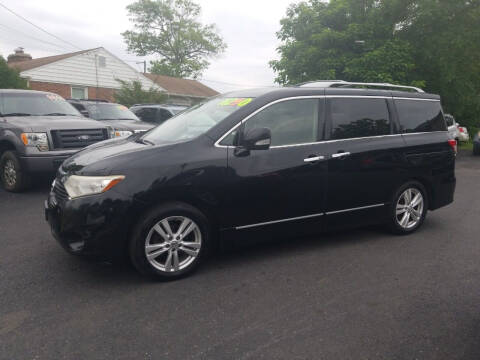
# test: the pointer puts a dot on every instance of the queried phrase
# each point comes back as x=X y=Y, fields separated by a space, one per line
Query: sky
x=248 y=27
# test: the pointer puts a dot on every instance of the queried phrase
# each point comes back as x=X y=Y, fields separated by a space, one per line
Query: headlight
x=122 y=133
x=78 y=186
x=38 y=140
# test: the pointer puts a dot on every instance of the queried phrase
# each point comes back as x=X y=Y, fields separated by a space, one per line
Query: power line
x=34 y=38
x=38 y=27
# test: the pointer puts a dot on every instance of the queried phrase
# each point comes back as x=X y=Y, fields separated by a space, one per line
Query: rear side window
x=354 y=118
x=420 y=116
x=146 y=114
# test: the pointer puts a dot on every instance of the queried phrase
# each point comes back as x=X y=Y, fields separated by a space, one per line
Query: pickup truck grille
x=75 y=139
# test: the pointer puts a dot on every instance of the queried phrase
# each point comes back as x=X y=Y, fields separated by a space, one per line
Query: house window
x=79 y=92
x=102 y=61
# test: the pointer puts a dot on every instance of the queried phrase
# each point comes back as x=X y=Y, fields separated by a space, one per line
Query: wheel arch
x=428 y=187
x=140 y=211
x=6 y=145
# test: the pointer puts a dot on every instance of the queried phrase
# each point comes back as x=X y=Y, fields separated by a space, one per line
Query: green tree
x=171 y=30
x=10 y=78
x=132 y=93
x=433 y=44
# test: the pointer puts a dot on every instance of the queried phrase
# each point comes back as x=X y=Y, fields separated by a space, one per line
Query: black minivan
x=290 y=161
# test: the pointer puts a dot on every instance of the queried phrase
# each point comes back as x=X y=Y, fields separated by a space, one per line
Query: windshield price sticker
x=239 y=102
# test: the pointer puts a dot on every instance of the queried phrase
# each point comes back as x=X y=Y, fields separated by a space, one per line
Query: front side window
x=35 y=104
x=195 y=121
x=290 y=122
x=420 y=116
x=356 y=118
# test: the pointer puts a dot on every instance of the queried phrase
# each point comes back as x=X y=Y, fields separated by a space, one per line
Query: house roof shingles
x=172 y=85
x=34 y=63
x=180 y=86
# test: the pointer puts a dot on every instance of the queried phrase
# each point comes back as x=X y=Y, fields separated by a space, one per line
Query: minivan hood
x=47 y=123
x=106 y=155
x=131 y=125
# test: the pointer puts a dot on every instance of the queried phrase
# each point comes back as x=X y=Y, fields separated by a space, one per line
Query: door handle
x=340 y=155
x=314 y=159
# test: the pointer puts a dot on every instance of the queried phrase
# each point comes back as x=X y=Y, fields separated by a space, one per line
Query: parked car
x=278 y=162
x=156 y=114
x=463 y=135
x=119 y=117
x=476 y=144
x=452 y=126
x=38 y=131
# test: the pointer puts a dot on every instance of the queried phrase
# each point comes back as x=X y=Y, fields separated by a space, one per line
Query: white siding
x=81 y=70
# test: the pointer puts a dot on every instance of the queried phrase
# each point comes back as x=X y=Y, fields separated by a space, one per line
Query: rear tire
x=408 y=209
x=13 y=176
x=170 y=241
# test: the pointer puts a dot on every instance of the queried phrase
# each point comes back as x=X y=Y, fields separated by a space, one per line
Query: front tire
x=14 y=177
x=409 y=208
x=170 y=241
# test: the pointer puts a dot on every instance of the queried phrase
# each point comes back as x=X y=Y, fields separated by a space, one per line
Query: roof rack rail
x=346 y=84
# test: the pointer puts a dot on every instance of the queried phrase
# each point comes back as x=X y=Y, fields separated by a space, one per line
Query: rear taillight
x=453 y=144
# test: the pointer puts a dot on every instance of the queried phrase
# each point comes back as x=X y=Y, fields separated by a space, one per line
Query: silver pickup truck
x=38 y=131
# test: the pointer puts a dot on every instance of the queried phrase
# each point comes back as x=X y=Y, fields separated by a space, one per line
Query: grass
x=466 y=145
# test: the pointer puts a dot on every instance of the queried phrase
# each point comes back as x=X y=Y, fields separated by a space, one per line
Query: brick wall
x=101 y=93
x=65 y=91
x=60 y=89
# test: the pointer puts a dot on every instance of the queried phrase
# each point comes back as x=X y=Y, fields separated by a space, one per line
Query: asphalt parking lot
x=362 y=294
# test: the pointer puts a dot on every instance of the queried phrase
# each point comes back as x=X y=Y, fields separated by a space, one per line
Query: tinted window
x=353 y=118
x=291 y=122
x=165 y=114
x=108 y=111
x=146 y=114
x=420 y=116
x=449 y=119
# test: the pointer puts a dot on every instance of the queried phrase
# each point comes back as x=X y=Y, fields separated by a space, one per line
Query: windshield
x=107 y=111
x=35 y=104
x=195 y=121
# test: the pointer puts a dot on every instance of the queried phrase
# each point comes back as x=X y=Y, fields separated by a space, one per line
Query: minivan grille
x=74 y=139
x=60 y=191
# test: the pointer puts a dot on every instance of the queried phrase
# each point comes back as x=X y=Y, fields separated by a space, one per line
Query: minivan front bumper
x=94 y=225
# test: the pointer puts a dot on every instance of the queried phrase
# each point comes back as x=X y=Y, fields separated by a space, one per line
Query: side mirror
x=85 y=113
x=257 y=139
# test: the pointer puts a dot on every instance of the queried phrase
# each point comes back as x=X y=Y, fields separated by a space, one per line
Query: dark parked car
x=38 y=130
x=119 y=117
x=290 y=162
x=156 y=114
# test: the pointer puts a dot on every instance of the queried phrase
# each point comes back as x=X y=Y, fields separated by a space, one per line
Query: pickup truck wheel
x=170 y=241
x=13 y=177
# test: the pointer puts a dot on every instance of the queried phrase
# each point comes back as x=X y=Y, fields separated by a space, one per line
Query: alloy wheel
x=409 y=210
x=9 y=173
x=173 y=244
